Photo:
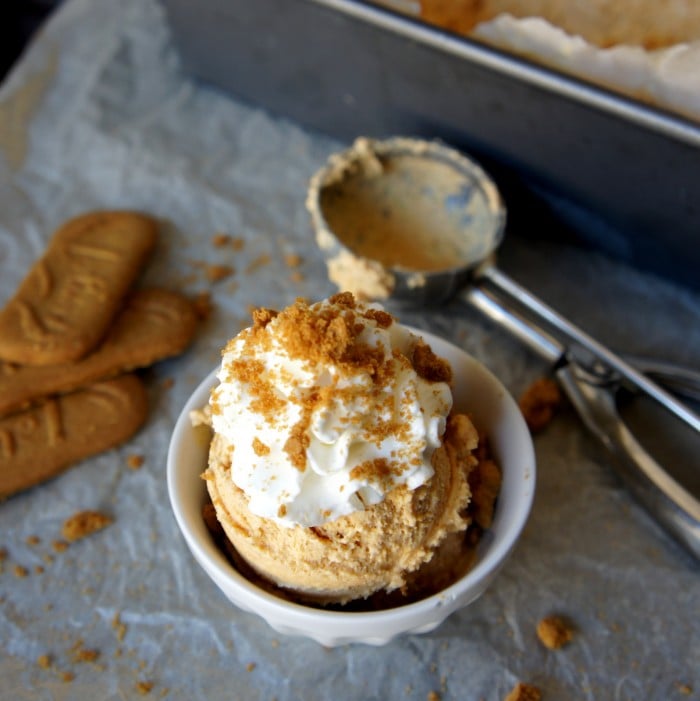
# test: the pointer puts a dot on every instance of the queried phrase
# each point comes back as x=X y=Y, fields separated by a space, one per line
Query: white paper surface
x=98 y=115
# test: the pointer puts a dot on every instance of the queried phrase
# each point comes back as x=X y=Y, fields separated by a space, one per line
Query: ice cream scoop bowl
x=477 y=392
x=404 y=218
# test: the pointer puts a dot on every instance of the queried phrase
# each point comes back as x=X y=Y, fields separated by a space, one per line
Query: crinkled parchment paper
x=98 y=114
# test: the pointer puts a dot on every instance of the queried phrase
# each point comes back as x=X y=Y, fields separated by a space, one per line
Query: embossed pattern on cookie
x=39 y=444
x=153 y=325
x=69 y=297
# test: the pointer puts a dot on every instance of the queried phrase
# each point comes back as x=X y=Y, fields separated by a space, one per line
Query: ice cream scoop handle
x=676 y=509
x=682 y=381
x=494 y=281
x=594 y=400
x=538 y=340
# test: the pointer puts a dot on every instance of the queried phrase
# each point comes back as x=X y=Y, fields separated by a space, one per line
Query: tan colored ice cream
x=337 y=467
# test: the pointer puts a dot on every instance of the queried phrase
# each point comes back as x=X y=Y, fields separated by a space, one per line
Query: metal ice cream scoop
x=418 y=222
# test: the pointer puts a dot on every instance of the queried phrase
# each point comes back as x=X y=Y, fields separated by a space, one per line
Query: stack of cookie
x=69 y=339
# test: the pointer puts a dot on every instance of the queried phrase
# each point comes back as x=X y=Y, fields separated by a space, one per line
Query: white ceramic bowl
x=493 y=410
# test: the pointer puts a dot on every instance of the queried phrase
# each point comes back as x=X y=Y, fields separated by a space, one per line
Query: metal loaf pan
x=572 y=159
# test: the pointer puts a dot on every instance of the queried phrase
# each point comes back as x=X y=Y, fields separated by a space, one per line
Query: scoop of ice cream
x=355 y=556
x=326 y=408
x=336 y=468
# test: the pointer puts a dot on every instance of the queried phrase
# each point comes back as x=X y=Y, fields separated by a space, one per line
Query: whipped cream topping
x=328 y=407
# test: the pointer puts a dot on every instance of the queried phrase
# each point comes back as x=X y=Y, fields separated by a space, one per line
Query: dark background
x=19 y=20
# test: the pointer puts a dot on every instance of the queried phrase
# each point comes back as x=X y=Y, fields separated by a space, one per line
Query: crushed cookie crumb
x=134 y=461
x=379 y=470
x=38 y=569
x=250 y=666
x=262 y=317
x=343 y=299
x=83 y=654
x=3 y=554
x=433 y=696
x=219 y=240
x=20 y=572
x=83 y=524
x=292 y=260
x=237 y=243
x=59 y=546
x=524 y=692
x=428 y=365
x=144 y=687
x=539 y=403
x=203 y=306
x=383 y=319
x=257 y=263
x=554 y=632
x=67 y=677
x=259 y=448
x=119 y=627
x=33 y=540
x=684 y=689
x=296 y=445
x=217 y=272
x=44 y=661
x=296 y=277
x=485 y=485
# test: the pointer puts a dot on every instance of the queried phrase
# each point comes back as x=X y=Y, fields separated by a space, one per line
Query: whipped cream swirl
x=328 y=407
